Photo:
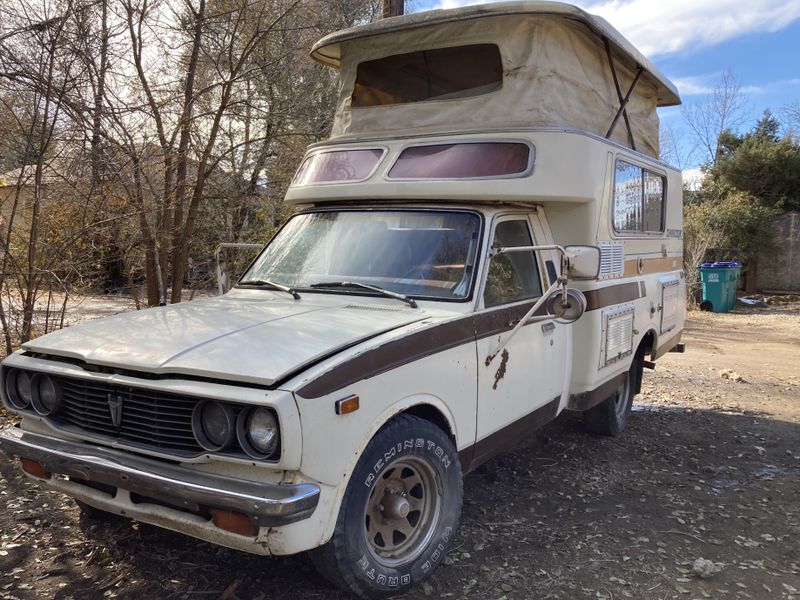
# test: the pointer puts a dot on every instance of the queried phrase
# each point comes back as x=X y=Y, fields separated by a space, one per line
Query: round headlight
x=18 y=388
x=258 y=432
x=45 y=394
x=213 y=425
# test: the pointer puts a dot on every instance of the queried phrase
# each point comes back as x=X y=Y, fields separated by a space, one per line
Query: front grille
x=148 y=418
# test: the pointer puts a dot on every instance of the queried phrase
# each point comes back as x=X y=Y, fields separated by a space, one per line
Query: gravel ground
x=708 y=469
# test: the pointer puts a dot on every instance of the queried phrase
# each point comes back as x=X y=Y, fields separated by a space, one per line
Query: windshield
x=415 y=253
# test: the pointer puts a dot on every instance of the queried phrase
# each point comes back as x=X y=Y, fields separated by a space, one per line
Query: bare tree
x=791 y=118
x=671 y=151
x=51 y=201
x=141 y=133
x=724 y=109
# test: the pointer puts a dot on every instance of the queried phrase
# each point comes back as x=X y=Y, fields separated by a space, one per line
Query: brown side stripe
x=416 y=346
x=391 y=355
x=615 y=294
x=444 y=336
x=653 y=265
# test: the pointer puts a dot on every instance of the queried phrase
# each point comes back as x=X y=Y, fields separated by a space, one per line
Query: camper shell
x=486 y=240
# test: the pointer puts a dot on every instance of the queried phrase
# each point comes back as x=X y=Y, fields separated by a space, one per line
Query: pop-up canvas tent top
x=504 y=66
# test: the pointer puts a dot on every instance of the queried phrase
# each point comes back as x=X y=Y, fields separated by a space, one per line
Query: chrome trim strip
x=269 y=504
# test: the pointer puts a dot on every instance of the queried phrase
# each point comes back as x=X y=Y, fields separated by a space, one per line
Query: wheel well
x=433 y=415
x=648 y=343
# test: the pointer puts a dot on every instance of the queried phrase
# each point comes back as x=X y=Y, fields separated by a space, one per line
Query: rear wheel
x=399 y=513
x=611 y=416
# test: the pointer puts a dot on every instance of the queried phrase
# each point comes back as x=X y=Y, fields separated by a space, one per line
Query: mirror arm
x=561 y=282
x=502 y=250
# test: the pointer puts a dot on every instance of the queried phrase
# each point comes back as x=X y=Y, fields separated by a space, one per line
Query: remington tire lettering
x=399 y=512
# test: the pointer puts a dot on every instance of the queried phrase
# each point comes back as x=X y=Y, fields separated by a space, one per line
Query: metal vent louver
x=612 y=259
x=617 y=334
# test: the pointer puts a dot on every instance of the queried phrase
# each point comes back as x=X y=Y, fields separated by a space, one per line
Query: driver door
x=520 y=389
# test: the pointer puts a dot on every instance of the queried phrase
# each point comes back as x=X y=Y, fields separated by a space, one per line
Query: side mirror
x=583 y=262
x=569 y=311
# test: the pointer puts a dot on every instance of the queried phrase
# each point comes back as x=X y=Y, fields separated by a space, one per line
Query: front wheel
x=399 y=513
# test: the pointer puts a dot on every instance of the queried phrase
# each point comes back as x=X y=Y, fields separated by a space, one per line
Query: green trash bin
x=719 y=285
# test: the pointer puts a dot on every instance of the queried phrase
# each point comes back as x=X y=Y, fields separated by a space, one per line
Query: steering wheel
x=416 y=272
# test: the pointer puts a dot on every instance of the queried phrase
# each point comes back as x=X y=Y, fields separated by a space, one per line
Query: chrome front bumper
x=269 y=504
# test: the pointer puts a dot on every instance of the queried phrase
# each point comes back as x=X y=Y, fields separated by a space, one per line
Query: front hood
x=255 y=338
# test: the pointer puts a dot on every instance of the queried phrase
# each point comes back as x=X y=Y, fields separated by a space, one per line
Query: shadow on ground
x=562 y=515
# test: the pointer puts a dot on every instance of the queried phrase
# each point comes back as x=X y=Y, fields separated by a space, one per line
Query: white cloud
x=700 y=85
x=693 y=178
x=694 y=86
x=668 y=26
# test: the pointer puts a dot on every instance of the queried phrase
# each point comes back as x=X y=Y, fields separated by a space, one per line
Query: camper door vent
x=669 y=304
x=617 y=334
x=612 y=259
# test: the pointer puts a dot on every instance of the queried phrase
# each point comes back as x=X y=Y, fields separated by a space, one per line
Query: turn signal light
x=35 y=468
x=347 y=405
x=234 y=522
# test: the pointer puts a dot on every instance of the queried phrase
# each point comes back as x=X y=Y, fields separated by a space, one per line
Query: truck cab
x=486 y=240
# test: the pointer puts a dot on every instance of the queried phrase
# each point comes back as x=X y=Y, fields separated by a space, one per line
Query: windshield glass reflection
x=416 y=253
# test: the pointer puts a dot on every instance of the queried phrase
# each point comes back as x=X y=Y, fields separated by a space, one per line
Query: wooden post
x=393 y=8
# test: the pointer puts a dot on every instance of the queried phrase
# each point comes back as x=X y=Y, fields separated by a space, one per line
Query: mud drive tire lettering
x=375 y=552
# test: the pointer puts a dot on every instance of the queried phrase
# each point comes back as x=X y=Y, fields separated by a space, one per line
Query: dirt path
x=709 y=468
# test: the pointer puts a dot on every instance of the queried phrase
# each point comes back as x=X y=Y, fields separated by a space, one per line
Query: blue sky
x=694 y=42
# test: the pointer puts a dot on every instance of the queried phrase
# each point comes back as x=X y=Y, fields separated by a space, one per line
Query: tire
x=611 y=416
x=399 y=513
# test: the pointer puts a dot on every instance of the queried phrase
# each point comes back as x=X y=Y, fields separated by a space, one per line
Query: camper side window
x=638 y=199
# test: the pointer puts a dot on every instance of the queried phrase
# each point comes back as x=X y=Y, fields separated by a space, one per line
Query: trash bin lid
x=735 y=264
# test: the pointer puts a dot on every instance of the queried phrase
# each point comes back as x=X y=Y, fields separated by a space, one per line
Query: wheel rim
x=402 y=511
x=622 y=397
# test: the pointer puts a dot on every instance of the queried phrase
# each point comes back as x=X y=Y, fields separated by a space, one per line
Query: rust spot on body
x=501 y=370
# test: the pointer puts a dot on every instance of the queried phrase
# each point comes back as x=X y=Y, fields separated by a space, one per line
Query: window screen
x=514 y=276
x=638 y=199
x=438 y=74
x=462 y=161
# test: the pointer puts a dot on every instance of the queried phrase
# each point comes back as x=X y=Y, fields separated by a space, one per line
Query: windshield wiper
x=270 y=284
x=340 y=284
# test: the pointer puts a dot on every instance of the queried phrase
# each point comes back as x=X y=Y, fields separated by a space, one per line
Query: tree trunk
x=393 y=8
x=751 y=278
x=185 y=126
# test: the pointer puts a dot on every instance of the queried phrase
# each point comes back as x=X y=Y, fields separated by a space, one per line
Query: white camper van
x=486 y=240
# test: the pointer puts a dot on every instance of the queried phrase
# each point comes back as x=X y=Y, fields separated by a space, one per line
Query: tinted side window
x=513 y=276
x=437 y=74
x=638 y=199
x=462 y=161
